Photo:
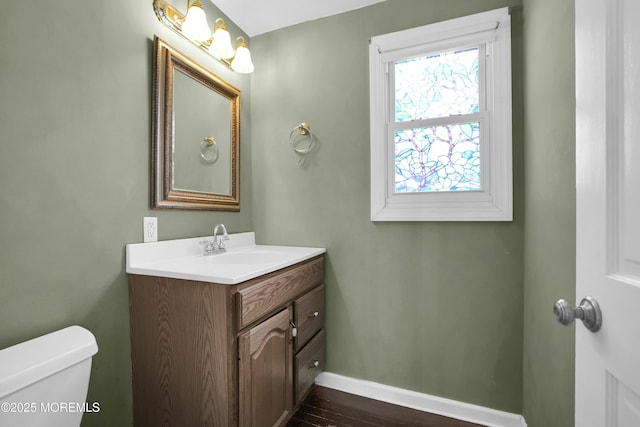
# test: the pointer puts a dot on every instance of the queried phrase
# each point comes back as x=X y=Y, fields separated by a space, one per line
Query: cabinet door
x=265 y=373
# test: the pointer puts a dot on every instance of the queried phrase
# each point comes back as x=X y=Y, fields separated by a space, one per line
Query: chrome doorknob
x=588 y=311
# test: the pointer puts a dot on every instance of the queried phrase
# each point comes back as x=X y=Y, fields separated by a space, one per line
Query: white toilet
x=44 y=381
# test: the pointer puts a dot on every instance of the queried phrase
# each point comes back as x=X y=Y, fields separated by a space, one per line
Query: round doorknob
x=588 y=311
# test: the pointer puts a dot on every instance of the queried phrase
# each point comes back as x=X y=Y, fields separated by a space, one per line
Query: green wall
x=433 y=307
x=75 y=143
x=549 y=271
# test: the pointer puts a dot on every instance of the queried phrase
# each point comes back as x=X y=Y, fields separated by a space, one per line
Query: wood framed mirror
x=196 y=135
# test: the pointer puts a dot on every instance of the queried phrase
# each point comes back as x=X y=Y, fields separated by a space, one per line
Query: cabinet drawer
x=310 y=361
x=272 y=292
x=308 y=315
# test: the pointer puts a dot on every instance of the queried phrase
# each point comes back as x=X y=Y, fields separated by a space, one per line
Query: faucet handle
x=221 y=246
x=205 y=243
x=208 y=246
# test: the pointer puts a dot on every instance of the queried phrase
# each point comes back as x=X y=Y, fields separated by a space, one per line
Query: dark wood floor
x=326 y=407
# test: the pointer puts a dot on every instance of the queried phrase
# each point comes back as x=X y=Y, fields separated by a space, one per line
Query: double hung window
x=441 y=121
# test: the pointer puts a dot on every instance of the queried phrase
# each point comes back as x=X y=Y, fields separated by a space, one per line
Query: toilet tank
x=44 y=381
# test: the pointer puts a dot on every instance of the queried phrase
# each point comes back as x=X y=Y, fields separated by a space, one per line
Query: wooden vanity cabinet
x=207 y=354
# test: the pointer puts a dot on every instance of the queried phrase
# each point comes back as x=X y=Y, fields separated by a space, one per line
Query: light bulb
x=242 y=61
x=195 y=24
x=221 y=44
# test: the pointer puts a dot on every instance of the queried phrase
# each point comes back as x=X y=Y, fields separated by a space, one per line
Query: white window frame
x=494 y=202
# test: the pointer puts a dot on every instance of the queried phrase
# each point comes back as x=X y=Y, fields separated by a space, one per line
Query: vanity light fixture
x=193 y=26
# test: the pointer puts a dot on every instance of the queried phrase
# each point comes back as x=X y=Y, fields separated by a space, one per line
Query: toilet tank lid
x=30 y=361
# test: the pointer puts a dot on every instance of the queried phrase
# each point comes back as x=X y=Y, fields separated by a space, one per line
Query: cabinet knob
x=313 y=315
x=314 y=364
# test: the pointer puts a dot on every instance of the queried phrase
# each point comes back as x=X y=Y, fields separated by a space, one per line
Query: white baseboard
x=422 y=402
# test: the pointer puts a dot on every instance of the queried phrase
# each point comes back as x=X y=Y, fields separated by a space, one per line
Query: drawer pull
x=294 y=329
x=313 y=315
x=315 y=364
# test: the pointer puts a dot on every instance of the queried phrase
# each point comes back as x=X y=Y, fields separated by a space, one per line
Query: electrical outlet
x=150 y=229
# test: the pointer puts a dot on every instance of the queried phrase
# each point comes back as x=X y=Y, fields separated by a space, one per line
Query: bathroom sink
x=251 y=256
x=184 y=259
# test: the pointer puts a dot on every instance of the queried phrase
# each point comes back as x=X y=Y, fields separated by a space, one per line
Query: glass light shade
x=242 y=62
x=221 y=44
x=195 y=24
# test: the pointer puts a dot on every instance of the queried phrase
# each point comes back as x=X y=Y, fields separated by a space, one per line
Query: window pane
x=440 y=158
x=437 y=85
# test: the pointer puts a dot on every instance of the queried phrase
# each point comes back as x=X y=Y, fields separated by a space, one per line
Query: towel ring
x=209 y=144
x=305 y=130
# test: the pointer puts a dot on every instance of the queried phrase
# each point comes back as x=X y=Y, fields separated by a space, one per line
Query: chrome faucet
x=217 y=246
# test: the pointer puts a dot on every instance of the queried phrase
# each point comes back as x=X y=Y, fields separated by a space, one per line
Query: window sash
x=485 y=158
x=391 y=79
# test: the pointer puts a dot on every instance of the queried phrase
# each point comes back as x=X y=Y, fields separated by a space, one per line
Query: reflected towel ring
x=209 y=145
x=305 y=130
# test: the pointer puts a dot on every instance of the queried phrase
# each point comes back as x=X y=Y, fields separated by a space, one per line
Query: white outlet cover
x=150 y=229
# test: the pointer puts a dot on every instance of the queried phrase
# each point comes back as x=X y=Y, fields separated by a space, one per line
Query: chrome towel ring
x=209 y=150
x=301 y=139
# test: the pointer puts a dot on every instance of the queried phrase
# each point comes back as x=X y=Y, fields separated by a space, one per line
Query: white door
x=608 y=210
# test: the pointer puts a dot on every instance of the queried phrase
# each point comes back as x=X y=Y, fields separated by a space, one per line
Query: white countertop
x=184 y=259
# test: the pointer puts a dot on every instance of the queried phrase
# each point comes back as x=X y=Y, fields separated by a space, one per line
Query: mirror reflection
x=198 y=165
x=196 y=135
